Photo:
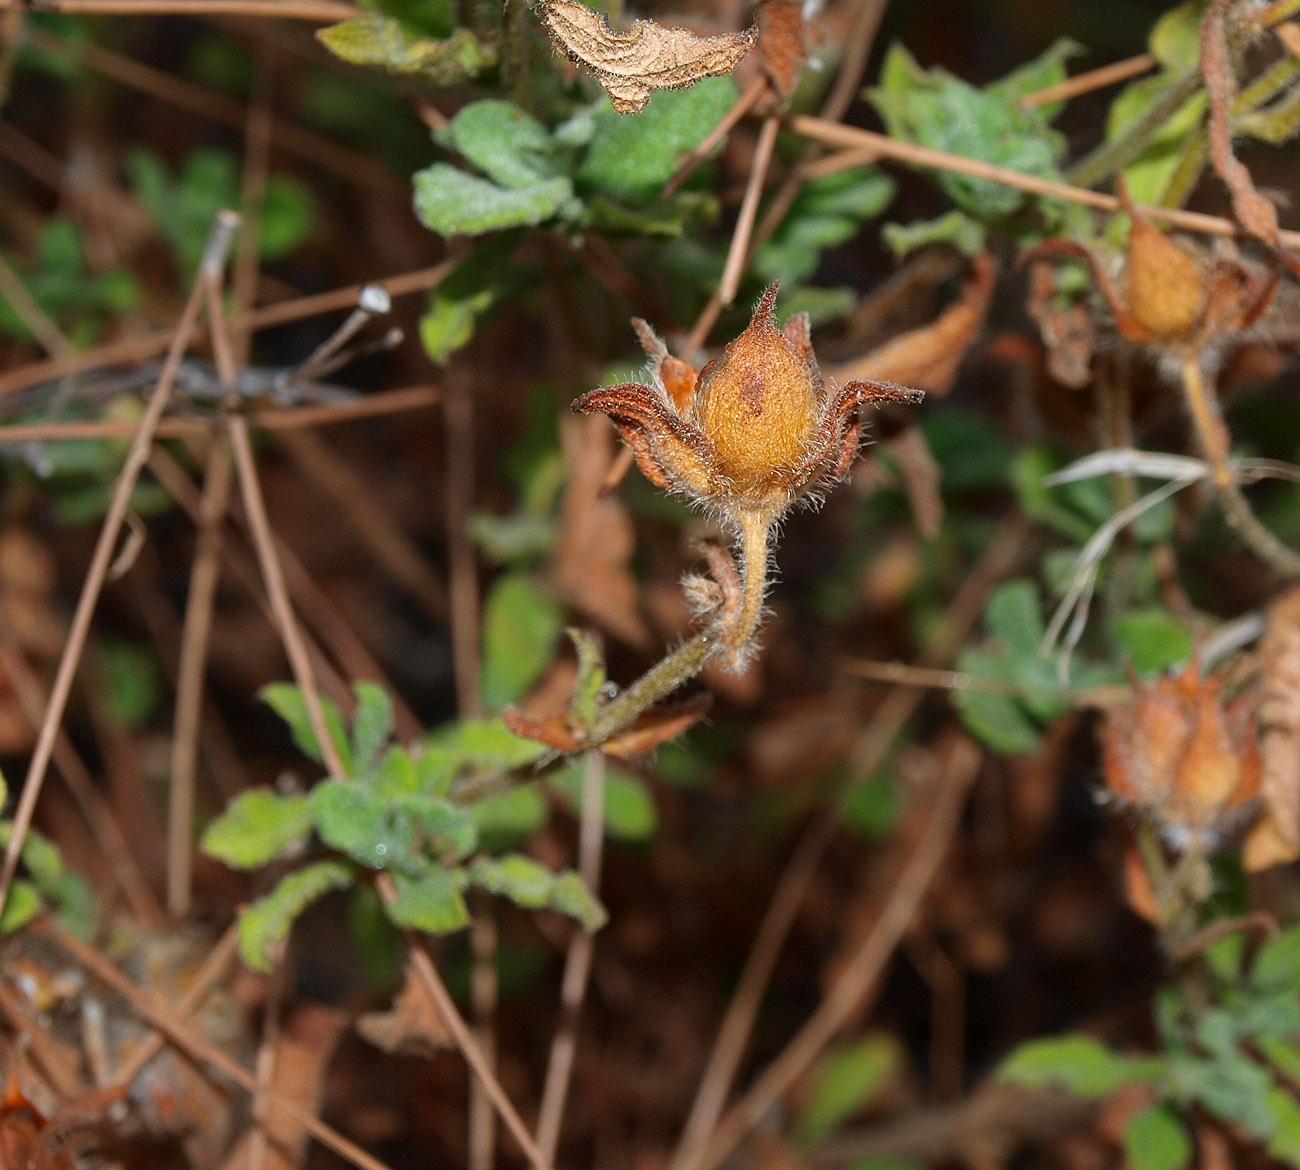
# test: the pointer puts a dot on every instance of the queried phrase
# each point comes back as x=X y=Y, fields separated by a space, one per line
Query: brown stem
x=1213 y=438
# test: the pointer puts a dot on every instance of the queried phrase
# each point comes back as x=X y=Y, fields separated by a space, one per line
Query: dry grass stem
x=577 y=962
x=922 y=156
x=1093 y=79
x=136 y=349
x=214 y=254
x=738 y=252
x=311 y=11
x=955 y=773
x=455 y=1024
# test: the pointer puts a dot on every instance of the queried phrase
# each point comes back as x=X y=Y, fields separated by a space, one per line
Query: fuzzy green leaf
x=286 y=700
x=511 y=815
x=266 y=923
x=434 y=901
x=509 y=146
x=351 y=818
x=956 y=229
x=257 y=826
x=635 y=157
x=21 y=906
x=521 y=625
x=935 y=109
x=826 y=212
x=530 y=884
x=389 y=44
x=1155 y=1139
x=372 y=726
x=1079 y=1063
x=475 y=746
x=452 y=203
x=591 y=677
x=1277 y=963
x=845 y=1080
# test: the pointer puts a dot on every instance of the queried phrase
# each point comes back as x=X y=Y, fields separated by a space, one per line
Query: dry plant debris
x=632 y=65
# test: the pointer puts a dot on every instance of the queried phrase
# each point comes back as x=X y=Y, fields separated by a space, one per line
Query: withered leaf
x=412 y=1027
x=634 y=64
x=929 y=357
x=782 y=43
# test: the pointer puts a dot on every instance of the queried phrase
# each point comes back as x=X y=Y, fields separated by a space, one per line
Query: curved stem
x=755 y=530
x=1213 y=438
x=669 y=673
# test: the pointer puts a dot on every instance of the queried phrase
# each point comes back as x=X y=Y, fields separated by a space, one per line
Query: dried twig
x=577 y=963
x=214 y=253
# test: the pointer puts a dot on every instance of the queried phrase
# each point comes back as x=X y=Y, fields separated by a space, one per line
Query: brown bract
x=1186 y=758
x=632 y=65
x=755 y=431
x=1170 y=298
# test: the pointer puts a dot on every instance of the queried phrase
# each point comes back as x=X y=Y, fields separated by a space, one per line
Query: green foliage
x=265 y=924
x=1156 y=1139
x=183 y=207
x=1152 y=639
x=1081 y=1064
x=826 y=212
x=934 y=109
x=521 y=626
x=397 y=46
x=58 y=280
x=256 y=827
x=528 y=883
x=426 y=815
x=131 y=682
x=845 y=1080
x=48 y=885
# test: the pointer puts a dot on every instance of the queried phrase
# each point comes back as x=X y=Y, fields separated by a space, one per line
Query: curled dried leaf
x=1255 y=213
x=782 y=44
x=632 y=65
x=1278 y=717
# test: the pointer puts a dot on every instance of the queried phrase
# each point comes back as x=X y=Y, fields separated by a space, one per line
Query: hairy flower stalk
x=748 y=437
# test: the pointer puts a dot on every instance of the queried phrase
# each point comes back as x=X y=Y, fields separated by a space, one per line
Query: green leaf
x=845 y=1080
x=1277 y=963
x=1079 y=1063
x=515 y=813
x=434 y=901
x=372 y=726
x=1014 y=617
x=1156 y=1139
x=257 y=826
x=288 y=217
x=530 y=884
x=1175 y=39
x=266 y=923
x=635 y=157
x=452 y=203
x=390 y=44
x=22 y=904
x=591 y=678
x=1284 y=1145
x=132 y=683
x=398 y=775
x=521 y=625
x=286 y=700
x=351 y=818
x=1282 y=1054
x=629 y=808
x=937 y=110
x=43 y=861
x=955 y=229
x=827 y=211
x=1148 y=176
x=464 y=297
x=509 y=146
x=450 y=827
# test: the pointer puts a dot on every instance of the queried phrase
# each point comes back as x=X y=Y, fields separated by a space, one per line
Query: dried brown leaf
x=929 y=357
x=1255 y=213
x=1289 y=34
x=1278 y=717
x=1067 y=332
x=597 y=539
x=632 y=65
x=411 y=1027
x=782 y=43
